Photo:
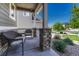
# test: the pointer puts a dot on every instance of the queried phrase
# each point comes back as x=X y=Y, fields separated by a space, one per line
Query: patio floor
x=31 y=49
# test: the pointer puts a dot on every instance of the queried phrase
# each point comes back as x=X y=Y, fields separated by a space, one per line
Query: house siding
x=5 y=20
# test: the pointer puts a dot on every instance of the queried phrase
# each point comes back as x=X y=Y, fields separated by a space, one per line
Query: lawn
x=72 y=37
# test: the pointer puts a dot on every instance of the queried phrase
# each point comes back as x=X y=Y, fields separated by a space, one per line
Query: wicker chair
x=13 y=39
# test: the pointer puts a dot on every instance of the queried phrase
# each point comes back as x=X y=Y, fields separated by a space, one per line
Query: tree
x=67 y=26
x=74 y=22
x=58 y=27
x=75 y=11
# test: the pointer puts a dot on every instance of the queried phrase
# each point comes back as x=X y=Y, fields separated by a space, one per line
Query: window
x=25 y=13
x=12 y=12
x=39 y=13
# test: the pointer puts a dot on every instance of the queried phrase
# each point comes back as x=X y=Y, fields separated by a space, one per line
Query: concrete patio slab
x=31 y=49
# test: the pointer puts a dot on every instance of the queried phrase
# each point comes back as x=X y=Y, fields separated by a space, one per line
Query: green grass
x=72 y=37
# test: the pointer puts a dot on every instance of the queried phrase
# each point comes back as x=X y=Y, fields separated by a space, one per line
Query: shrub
x=57 y=37
x=68 y=41
x=61 y=32
x=59 y=45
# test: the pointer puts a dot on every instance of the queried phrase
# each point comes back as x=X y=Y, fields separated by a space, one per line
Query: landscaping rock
x=71 y=51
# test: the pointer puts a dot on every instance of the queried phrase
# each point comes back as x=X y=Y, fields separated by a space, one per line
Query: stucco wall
x=39 y=24
x=24 y=21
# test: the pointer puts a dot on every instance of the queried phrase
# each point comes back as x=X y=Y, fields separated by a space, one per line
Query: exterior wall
x=39 y=24
x=5 y=20
x=24 y=21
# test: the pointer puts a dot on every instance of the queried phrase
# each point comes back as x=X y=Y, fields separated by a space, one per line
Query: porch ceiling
x=27 y=6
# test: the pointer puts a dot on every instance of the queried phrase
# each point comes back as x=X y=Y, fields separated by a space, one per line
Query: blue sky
x=59 y=12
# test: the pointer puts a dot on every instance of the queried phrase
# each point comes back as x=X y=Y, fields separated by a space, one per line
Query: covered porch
x=40 y=42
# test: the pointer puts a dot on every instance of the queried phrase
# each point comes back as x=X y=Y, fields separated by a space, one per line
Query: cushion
x=10 y=34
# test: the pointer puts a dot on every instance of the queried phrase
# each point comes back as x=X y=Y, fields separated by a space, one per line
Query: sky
x=59 y=12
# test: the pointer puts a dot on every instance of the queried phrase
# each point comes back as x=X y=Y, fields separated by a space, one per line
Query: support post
x=45 y=20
